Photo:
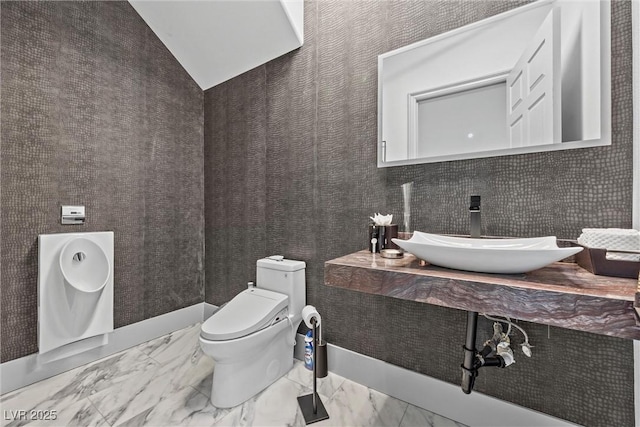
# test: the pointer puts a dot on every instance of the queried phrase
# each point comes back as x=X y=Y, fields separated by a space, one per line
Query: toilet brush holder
x=320 y=359
x=311 y=405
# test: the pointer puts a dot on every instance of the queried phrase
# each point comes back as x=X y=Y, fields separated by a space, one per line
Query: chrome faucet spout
x=476 y=222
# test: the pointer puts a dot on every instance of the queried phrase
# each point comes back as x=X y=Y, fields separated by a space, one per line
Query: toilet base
x=235 y=382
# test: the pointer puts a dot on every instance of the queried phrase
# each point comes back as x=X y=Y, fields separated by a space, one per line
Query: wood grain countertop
x=561 y=294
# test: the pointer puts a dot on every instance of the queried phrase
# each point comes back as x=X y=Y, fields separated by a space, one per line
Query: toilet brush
x=311 y=405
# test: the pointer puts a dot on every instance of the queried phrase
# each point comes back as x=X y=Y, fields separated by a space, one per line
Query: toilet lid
x=249 y=311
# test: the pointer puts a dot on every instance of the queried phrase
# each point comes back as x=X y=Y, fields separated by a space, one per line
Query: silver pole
x=311 y=406
x=315 y=363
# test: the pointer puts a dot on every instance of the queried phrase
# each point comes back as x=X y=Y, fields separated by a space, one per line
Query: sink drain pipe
x=474 y=359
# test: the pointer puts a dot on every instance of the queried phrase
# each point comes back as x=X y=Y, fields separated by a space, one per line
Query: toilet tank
x=285 y=276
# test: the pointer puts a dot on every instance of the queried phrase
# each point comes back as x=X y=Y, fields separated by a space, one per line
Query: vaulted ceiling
x=216 y=40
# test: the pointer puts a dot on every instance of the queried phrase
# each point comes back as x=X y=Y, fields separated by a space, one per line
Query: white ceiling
x=215 y=40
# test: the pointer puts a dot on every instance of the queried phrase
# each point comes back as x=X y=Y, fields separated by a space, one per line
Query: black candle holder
x=382 y=235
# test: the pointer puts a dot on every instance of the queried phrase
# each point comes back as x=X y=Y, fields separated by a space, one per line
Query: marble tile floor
x=167 y=382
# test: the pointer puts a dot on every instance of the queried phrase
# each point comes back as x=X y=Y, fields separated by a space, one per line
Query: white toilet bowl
x=251 y=340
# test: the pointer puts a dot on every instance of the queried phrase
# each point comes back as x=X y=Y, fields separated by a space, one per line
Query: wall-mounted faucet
x=474 y=211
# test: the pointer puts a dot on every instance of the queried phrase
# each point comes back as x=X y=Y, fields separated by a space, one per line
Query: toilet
x=251 y=338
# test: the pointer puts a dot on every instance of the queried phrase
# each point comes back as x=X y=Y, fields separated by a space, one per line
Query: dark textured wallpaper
x=96 y=111
x=312 y=135
x=236 y=219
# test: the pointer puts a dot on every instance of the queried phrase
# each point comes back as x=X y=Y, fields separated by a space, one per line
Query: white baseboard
x=437 y=396
x=209 y=309
x=30 y=369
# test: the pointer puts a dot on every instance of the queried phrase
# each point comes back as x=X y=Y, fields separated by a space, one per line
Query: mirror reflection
x=536 y=78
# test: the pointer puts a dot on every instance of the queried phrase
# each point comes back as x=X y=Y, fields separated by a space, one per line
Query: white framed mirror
x=536 y=78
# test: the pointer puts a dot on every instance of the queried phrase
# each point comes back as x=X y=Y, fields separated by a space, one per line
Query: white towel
x=612 y=239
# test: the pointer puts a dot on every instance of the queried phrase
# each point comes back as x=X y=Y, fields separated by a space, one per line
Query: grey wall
x=290 y=168
x=96 y=111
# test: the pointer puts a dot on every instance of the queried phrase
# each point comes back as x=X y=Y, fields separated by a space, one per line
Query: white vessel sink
x=505 y=256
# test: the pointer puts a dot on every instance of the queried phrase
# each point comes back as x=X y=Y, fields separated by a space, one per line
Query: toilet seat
x=249 y=311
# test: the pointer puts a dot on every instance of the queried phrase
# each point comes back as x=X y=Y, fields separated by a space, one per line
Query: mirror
x=536 y=78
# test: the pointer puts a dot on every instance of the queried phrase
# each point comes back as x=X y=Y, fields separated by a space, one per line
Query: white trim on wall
x=30 y=369
x=434 y=395
x=635 y=18
x=209 y=309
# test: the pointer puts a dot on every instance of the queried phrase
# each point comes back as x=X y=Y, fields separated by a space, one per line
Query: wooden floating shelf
x=561 y=294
